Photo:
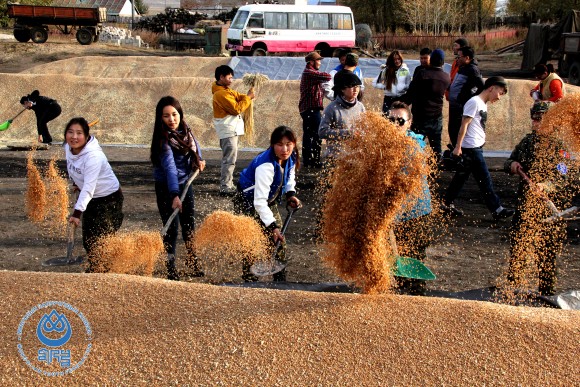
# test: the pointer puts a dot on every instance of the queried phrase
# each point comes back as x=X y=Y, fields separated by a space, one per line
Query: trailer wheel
x=84 y=36
x=574 y=74
x=22 y=35
x=38 y=35
x=259 y=52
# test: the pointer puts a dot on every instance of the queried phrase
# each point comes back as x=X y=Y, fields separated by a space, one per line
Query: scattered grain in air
x=36 y=191
x=379 y=175
x=57 y=199
x=224 y=240
x=134 y=252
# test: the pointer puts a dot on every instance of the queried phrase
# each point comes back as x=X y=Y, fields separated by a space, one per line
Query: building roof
x=114 y=7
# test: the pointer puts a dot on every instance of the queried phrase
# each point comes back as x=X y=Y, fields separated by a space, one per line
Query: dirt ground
x=471 y=254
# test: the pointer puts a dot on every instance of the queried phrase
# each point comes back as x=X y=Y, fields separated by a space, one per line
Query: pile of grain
x=564 y=119
x=35 y=192
x=134 y=252
x=150 y=331
x=381 y=172
x=224 y=240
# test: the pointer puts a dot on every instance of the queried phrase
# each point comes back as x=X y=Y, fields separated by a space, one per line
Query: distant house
x=117 y=10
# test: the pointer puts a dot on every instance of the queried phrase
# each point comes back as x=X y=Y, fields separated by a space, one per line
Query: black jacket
x=426 y=93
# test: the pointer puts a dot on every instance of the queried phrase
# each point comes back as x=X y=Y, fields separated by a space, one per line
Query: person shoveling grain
x=270 y=177
x=535 y=245
x=225 y=239
x=380 y=171
x=175 y=155
x=100 y=201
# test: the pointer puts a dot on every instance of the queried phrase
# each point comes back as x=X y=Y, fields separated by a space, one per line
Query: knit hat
x=437 y=57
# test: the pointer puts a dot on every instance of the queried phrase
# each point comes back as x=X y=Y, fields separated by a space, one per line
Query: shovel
x=176 y=211
x=273 y=266
x=408 y=267
x=6 y=124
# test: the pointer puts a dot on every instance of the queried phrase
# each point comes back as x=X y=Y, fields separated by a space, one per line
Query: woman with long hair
x=263 y=184
x=175 y=154
x=394 y=79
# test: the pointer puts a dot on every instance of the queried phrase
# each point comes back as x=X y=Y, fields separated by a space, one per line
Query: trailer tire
x=259 y=52
x=38 y=35
x=22 y=35
x=84 y=36
x=574 y=74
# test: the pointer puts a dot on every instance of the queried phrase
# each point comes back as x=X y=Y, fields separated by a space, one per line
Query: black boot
x=247 y=275
x=280 y=276
x=172 y=273
x=196 y=270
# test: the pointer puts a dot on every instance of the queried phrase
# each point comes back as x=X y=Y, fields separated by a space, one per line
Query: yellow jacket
x=228 y=104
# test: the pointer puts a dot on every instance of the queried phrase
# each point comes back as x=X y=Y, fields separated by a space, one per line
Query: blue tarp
x=290 y=68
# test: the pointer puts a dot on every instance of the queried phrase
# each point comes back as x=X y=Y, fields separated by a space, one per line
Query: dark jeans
x=431 y=128
x=455 y=117
x=43 y=117
x=102 y=216
x=474 y=163
x=311 y=143
x=185 y=217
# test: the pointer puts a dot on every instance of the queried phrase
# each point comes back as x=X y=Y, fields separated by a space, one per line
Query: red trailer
x=32 y=21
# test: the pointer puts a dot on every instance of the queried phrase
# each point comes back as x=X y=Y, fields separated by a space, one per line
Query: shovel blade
x=412 y=268
x=264 y=268
x=5 y=125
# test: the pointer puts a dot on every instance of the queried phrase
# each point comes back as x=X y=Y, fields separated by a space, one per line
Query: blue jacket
x=466 y=84
x=175 y=167
x=422 y=205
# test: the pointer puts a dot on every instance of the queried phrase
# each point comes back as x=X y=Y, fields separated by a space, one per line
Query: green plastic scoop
x=408 y=267
x=6 y=124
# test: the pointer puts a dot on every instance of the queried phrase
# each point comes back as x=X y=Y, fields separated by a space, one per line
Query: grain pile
x=255 y=81
x=564 y=119
x=382 y=171
x=149 y=331
x=35 y=192
x=134 y=252
x=57 y=199
x=224 y=240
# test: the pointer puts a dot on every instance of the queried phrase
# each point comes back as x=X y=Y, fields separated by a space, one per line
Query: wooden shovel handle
x=393 y=242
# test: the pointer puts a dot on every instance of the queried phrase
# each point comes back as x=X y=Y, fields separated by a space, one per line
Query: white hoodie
x=91 y=172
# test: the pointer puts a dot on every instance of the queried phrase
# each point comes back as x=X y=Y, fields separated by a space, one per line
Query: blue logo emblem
x=51 y=346
x=562 y=168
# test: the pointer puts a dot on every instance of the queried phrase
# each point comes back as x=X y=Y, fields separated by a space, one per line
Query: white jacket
x=403 y=76
x=91 y=172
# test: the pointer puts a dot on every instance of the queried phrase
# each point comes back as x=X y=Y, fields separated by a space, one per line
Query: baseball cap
x=313 y=56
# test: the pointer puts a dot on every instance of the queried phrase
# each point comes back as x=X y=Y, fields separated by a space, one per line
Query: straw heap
x=256 y=81
x=380 y=171
x=225 y=239
x=128 y=252
x=36 y=191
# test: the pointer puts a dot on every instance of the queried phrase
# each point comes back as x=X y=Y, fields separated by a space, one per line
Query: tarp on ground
x=290 y=68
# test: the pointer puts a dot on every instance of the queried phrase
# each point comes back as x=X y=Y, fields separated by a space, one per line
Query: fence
x=416 y=42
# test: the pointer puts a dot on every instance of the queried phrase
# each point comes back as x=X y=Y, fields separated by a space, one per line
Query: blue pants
x=186 y=217
x=311 y=143
x=474 y=163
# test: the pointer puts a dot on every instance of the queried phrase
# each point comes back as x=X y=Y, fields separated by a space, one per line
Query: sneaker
x=503 y=213
x=451 y=210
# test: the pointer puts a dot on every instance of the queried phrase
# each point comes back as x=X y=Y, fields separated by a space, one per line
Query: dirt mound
x=123 y=93
x=132 y=67
x=161 y=332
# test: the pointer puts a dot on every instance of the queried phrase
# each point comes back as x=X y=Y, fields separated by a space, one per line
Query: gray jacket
x=337 y=124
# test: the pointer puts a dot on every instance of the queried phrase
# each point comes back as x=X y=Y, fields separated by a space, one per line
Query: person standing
x=540 y=153
x=100 y=201
x=175 y=154
x=269 y=178
x=310 y=107
x=394 y=79
x=228 y=105
x=469 y=144
x=348 y=62
x=459 y=43
x=465 y=84
x=46 y=109
x=426 y=96
x=550 y=88
x=424 y=61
